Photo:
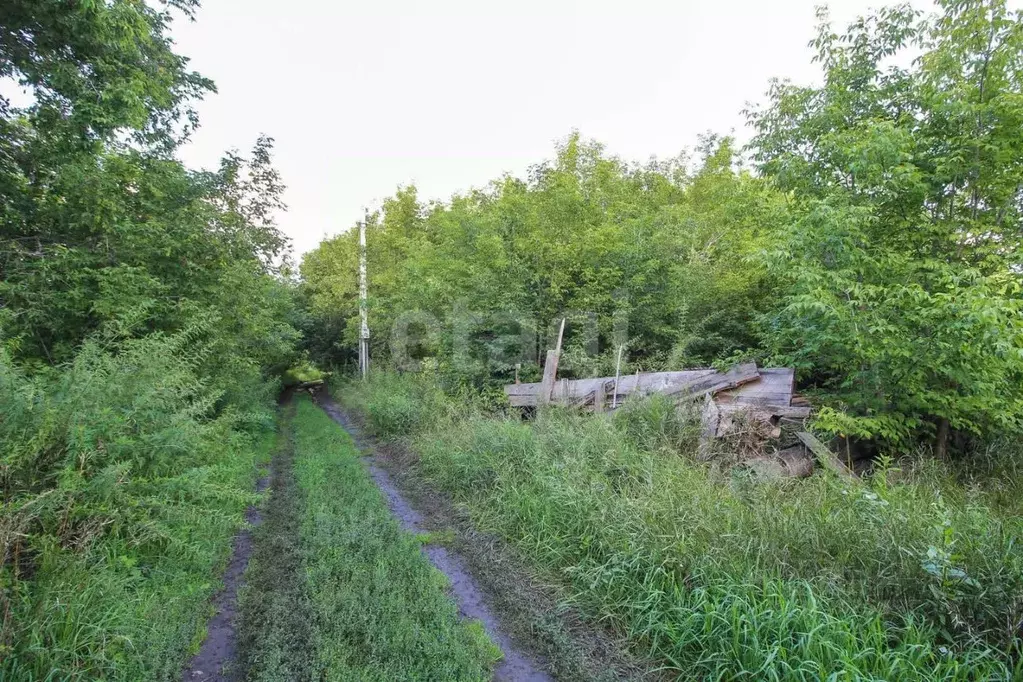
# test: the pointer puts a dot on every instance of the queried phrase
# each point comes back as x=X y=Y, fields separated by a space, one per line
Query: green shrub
x=301 y=373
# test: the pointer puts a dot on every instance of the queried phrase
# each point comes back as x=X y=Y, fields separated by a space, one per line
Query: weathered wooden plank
x=618 y=376
x=550 y=371
x=709 y=420
x=571 y=390
x=826 y=457
x=522 y=400
x=660 y=382
x=761 y=398
x=581 y=401
x=766 y=410
x=522 y=389
x=626 y=384
x=780 y=376
x=524 y=395
x=713 y=383
x=738 y=386
x=775 y=387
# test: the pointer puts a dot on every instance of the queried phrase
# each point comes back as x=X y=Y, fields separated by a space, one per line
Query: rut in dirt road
x=216 y=660
x=516 y=665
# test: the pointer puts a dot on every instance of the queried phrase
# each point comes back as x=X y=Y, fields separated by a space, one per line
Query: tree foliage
x=876 y=247
x=643 y=255
x=901 y=264
x=143 y=318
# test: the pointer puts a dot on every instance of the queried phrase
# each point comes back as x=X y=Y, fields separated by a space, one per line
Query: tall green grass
x=275 y=636
x=123 y=481
x=916 y=575
x=374 y=606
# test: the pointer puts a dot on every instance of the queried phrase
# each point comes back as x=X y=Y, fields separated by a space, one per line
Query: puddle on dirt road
x=516 y=666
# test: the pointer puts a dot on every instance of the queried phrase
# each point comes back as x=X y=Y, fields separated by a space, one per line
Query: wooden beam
x=709 y=420
x=767 y=410
x=826 y=457
x=733 y=378
x=524 y=395
x=775 y=387
x=598 y=398
x=550 y=370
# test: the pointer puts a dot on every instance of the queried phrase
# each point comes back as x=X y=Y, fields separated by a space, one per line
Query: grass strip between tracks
x=336 y=590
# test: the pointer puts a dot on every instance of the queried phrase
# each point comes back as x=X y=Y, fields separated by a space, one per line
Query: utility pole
x=363 y=310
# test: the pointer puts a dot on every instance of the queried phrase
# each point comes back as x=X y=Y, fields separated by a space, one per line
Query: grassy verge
x=122 y=490
x=365 y=603
x=133 y=608
x=915 y=576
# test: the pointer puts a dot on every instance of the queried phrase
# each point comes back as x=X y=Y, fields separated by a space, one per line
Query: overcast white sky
x=449 y=94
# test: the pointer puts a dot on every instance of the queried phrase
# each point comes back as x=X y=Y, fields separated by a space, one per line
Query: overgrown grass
x=275 y=640
x=374 y=607
x=916 y=575
x=398 y=406
x=122 y=489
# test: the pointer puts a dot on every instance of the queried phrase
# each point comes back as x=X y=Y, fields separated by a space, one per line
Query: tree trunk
x=941 y=440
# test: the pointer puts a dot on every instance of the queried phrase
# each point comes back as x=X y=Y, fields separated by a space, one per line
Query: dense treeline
x=143 y=318
x=868 y=236
x=655 y=252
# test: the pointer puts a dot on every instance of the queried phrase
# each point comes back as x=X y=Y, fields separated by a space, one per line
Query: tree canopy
x=868 y=235
x=145 y=315
x=900 y=268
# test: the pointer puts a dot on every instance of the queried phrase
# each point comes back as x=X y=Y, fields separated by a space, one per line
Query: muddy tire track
x=517 y=665
x=217 y=658
x=545 y=636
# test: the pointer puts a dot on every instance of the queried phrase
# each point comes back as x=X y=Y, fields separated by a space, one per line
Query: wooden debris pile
x=744 y=394
x=766 y=393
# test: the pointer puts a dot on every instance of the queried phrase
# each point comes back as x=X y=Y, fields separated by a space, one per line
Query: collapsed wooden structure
x=745 y=393
x=767 y=393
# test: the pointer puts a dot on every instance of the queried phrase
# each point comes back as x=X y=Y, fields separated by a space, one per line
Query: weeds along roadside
x=123 y=490
x=336 y=590
x=912 y=576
